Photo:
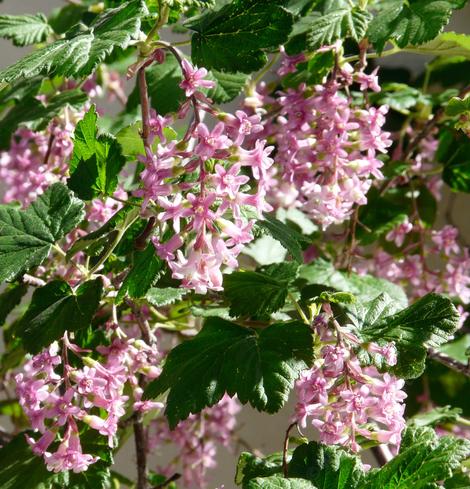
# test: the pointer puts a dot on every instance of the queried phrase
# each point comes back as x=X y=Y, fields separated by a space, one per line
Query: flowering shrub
x=166 y=262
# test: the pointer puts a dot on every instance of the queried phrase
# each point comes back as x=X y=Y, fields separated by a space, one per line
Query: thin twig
x=50 y=145
x=285 y=449
x=449 y=362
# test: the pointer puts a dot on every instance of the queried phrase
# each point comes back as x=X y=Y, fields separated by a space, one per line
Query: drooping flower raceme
x=196 y=439
x=200 y=189
x=57 y=403
x=326 y=146
x=344 y=400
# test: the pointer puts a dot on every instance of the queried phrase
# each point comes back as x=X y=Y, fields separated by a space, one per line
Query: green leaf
x=96 y=160
x=130 y=140
x=458 y=106
x=327 y=467
x=256 y=294
x=145 y=271
x=429 y=322
x=224 y=357
x=279 y=482
x=458 y=349
x=85 y=47
x=164 y=296
x=228 y=86
x=232 y=38
x=10 y=298
x=411 y=23
x=456 y=172
x=364 y=287
x=24 y=29
x=399 y=97
x=56 y=308
x=379 y=216
x=36 y=115
x=249 y=466
x=424 y=460
x=26 y=236
x=289 y=238
x=338 y=24
x=20 y=468
x=447 y=44
x=438 y=415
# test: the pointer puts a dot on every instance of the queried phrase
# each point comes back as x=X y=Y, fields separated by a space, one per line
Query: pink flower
x=446 y=239
x=211 y=141
x=194 y=78
x=398 y=233
x=69 y=455
x=368 y=82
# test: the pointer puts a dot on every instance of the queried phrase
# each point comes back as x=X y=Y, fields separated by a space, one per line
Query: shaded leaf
x=56 y=308
x=256 y=294
x=224 y=357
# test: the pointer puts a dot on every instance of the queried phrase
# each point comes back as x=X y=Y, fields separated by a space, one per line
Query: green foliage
x=260 y=368
x=429 y=322
x=327 y=467
x=447 y=44
x=279 y=482
x=257 y=294
x=364 y=287
x=423 y=461
x=36 y=115
x=399 y=97
x=20 y=468
x=56 y=308
x=337 y=24
x=26 y=236
x=228 y=86
x=24 y=29
x=290 y=239
x=438 y=415
x=10 y=298
x=411 y=23
x=146 y=269
x=233 y=38
x=96 y=160
x=164 y=296
x=249 y=466
x=458 y=106
x=84 y=47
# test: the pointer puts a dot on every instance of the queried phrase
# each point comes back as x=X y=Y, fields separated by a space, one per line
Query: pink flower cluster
x=443 y=266
x=34 y=161
x=196 y=439
x=55 y=403
x=326 y=146
x=344 y=400
x=200 y=188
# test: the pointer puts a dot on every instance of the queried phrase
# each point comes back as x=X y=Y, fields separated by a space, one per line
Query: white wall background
x=257 y=430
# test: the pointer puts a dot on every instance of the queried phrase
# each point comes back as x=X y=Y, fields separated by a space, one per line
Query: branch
x=382 y=454
x=141 y=452
x=449 y=362
x=145 y=107
x=173 y=478
x=286 y=448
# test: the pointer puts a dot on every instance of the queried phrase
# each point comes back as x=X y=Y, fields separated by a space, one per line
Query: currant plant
x=166 y=258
